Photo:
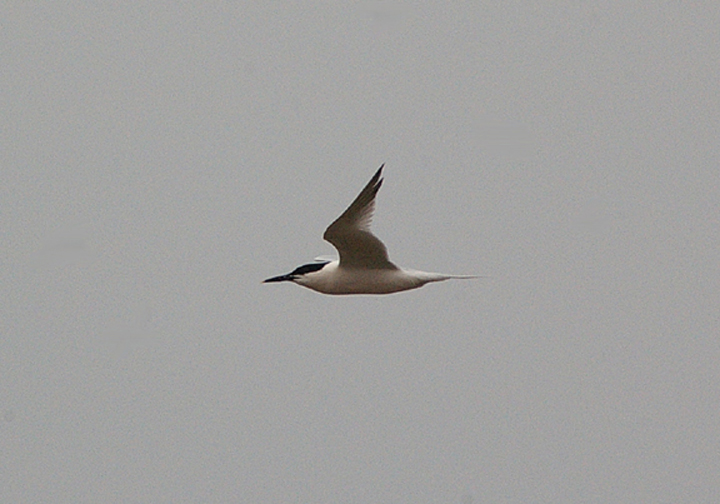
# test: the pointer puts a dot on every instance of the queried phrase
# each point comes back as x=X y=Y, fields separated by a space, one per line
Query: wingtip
x=379 y=171
x=377 y=178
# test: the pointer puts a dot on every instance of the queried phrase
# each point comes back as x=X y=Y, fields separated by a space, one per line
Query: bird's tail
x=439 y=277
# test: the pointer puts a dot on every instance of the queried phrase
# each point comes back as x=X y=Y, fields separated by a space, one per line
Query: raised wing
x=350 y=233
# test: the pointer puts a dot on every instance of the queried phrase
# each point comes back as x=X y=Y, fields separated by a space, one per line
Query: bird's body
x=335 y=279
x=364 y=266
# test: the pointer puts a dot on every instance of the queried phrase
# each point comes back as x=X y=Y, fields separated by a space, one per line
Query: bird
x=363 y=266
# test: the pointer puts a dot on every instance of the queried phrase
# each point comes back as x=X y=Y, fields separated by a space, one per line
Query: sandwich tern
x=364 y=266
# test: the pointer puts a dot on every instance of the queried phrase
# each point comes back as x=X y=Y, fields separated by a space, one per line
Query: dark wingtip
x=378 y=172
x=376 y=180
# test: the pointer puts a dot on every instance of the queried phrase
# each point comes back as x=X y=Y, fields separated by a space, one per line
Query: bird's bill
x=281 y=278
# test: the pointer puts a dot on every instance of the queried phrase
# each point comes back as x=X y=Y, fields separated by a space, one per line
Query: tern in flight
x=364 y=266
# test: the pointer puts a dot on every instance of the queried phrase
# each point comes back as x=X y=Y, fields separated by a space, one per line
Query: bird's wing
x=350 y=233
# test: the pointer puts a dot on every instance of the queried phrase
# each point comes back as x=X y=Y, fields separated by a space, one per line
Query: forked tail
x=428 y=277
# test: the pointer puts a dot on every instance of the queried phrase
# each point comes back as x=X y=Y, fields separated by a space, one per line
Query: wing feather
x=350 y=233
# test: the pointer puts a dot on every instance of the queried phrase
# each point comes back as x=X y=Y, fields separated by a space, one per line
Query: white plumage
x=364 y=266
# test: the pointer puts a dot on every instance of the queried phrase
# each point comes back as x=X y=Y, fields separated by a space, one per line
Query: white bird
x=364 y=266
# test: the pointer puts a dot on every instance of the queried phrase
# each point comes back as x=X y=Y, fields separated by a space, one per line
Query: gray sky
x=159 y=160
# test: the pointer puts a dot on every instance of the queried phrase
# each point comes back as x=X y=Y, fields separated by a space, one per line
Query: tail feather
x=439 y=277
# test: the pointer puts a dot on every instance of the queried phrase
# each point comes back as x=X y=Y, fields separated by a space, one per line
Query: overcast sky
x=160 y=159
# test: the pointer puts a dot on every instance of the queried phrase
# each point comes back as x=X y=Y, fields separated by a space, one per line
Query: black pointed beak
x=281 y=278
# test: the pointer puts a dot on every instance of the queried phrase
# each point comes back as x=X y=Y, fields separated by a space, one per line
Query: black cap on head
x=299 y=271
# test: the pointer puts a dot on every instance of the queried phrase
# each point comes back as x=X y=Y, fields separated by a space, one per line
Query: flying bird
x=364 y=266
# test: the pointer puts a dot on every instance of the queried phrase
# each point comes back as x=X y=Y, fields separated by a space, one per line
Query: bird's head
x=298 y=275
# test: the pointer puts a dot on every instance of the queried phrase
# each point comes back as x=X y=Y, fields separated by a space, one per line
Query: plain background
x=159 y=159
